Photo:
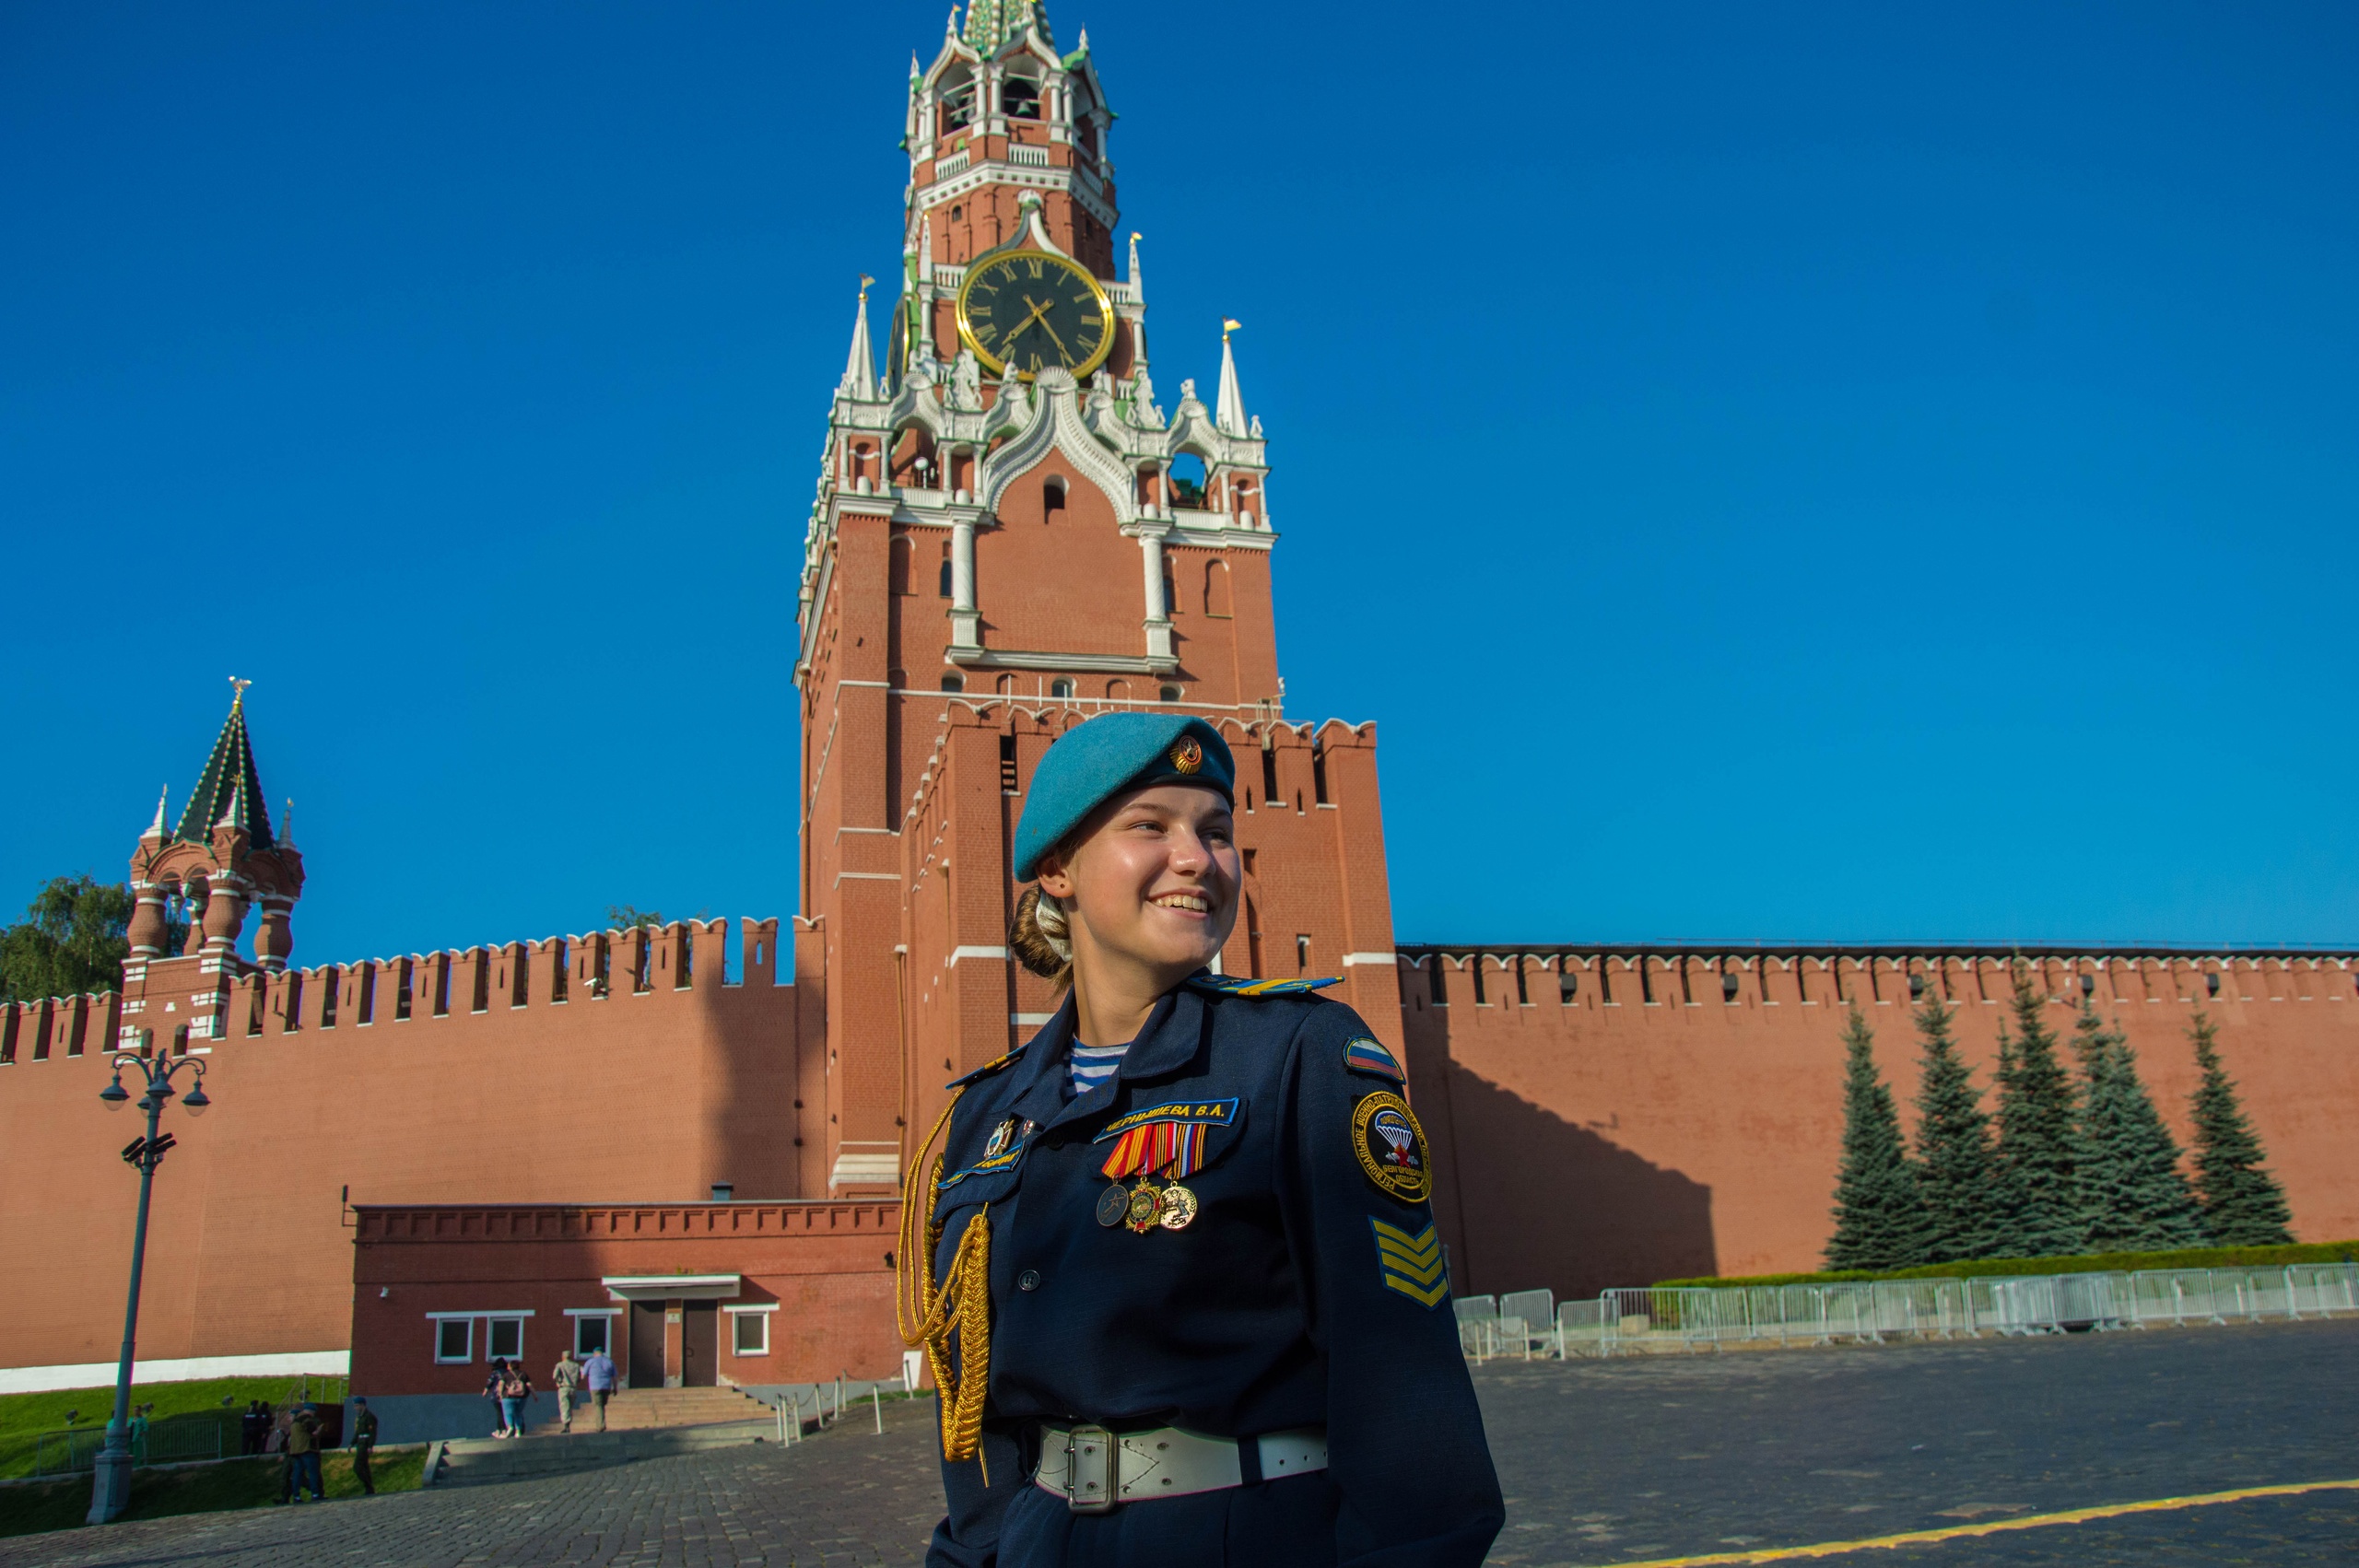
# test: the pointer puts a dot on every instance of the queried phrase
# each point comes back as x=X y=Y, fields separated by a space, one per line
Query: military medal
x=1145 y=1206
x=1178 y=1208
x=1169 y=1141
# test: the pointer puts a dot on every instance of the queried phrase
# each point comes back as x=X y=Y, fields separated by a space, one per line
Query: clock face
x=1026 y=310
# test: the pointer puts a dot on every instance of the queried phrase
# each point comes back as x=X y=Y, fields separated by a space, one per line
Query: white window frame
x=439 y=1319
x=492 y=1321
x=579 y=1313
x=759 y=1311
x=441 y=1324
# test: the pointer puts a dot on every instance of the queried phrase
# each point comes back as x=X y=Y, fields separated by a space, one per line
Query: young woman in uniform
x=1176 y=1267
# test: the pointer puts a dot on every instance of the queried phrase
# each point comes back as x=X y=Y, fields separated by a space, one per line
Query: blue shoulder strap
x=1236 y=985
x=987 y=1069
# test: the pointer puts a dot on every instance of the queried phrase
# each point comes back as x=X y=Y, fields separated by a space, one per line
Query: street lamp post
x=110 y=1491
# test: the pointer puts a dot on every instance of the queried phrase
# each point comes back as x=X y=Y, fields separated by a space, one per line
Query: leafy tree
x=623 y=918
x=1879 y=1220
x=2243 y=1205
x=72 y=939
x=2135 y=1198
x=2036 y=1137
x=1955 y=1163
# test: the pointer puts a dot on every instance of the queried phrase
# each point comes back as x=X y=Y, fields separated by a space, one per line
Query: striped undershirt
x=1091 y=1066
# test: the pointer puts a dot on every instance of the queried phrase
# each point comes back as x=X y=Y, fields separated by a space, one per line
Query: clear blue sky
x=1869 y=473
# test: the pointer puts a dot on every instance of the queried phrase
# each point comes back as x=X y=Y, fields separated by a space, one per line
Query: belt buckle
x=1089 y=1469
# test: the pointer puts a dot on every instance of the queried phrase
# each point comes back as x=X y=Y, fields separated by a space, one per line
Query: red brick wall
x=1618 y=1143
x=824 y=1264
x=635 y=1095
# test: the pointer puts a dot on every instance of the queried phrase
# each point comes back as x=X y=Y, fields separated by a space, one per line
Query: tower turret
x=219 y=861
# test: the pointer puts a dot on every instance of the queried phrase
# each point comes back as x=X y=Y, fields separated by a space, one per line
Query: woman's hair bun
x=1039 y=937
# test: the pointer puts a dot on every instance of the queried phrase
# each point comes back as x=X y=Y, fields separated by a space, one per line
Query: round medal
x=1113 y=1206
x=1145 y=1205
x=1178 y=1208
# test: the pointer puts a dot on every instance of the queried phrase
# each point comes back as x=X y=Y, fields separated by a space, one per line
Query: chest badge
x=1001 y=1136
x=1392 y=1147
x=1151 y=1143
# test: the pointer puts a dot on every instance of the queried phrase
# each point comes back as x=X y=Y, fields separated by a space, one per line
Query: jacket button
x=1028 y=1280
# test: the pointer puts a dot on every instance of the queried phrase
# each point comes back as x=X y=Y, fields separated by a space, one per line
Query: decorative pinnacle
x=864 y=281
x=156 y=828
x=1228 y=325
x=240 y=687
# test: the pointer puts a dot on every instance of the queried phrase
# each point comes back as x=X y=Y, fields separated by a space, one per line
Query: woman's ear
x=1054 y=879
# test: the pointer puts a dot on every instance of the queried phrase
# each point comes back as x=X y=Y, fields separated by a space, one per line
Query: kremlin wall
x=993 y=556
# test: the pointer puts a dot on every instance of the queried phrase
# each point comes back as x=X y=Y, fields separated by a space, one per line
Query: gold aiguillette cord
x=959 y=1310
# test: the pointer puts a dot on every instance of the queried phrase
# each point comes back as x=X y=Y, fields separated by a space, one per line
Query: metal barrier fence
x=1623 y=1322
x=163 y=1443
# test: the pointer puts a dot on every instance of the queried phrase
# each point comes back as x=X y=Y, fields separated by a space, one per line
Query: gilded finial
x=864 y=281
x=240 y=687
x=1228 y=325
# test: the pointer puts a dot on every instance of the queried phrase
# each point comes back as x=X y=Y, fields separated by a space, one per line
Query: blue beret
x=1111 y=753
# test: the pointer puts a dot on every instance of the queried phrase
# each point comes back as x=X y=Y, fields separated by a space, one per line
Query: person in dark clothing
x=251 y=1427
x=364 y=1443
x=302 y=1457
x=1176 y=1272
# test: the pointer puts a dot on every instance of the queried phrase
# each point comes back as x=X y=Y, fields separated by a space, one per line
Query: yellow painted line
x=1996 y=1527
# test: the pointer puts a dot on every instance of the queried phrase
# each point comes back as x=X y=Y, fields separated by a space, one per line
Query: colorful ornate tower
x=1011 y=535
x=217 y=865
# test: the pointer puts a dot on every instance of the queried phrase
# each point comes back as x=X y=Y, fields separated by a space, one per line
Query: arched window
x=1005 y=685
x=1169 y=694
x=1217 y=601
x=954 y=682
x=957 y=101
x=1118 y=691
x=1061 y=688
x=897 y=567
x=1188 y=480
x=1052 y=501
x=943 y=585
x=1019 y=98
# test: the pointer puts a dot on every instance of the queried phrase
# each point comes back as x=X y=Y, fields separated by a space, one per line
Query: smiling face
x=1151 y=883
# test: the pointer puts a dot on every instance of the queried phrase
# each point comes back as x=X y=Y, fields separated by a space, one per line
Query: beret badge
x=1188 y=755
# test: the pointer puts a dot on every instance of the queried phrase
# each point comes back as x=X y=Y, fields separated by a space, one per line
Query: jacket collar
x=1169 y=1041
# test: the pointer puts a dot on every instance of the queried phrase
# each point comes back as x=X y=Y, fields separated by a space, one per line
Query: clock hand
x=1027 y=320
x=1054 y=338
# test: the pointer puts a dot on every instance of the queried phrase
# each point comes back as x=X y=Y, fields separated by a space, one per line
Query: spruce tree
x=2135 y=1196
x=1955 y=1168
x=1878 y=1221
x=2243 y=1205
x=2036 y=1138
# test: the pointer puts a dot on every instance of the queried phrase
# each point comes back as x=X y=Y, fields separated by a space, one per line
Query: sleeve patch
x=1392 y=1147
x=1364 y=1055
x=1411 y=1264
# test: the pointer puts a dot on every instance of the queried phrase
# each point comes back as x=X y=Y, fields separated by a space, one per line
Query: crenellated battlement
x=1683 y=975
x=197 y=1003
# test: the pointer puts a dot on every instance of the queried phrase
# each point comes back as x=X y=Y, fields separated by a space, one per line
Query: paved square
x=1604 y=1463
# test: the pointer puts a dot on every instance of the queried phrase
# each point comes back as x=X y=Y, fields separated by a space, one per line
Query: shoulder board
x=1236 y=985
x=986 y=1069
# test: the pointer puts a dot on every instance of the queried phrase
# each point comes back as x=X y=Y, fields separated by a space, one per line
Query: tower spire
x=154 y=833
x=990 y=23
x=860 y=365
x=228 y=790
x=1228 y=409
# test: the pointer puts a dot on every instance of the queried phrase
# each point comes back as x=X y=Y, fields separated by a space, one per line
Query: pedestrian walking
x=515 y=1389
x=598 y=1373
x=566 y=1380
x=364 y=1443
x=302 y=1451
x=491 y=1384
x=1189 y=1302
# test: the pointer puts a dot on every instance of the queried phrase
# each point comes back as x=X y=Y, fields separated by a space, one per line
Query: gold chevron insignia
x=1411 y=1264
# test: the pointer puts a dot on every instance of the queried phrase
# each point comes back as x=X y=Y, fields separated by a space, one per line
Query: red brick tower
x=1011 y=535
x=220 y=861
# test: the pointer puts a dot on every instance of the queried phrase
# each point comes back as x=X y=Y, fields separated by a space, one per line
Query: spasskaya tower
x=1012 y=535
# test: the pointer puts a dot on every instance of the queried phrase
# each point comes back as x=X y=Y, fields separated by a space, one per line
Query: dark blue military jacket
x=1304 y=1293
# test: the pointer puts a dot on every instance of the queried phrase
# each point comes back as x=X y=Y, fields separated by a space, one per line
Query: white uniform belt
x=1093 y=1469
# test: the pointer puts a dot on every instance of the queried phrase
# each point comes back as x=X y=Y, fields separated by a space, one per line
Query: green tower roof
x=990 y=23
x=229 y=787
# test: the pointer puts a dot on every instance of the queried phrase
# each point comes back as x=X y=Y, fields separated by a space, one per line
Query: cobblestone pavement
x=1604 y=1463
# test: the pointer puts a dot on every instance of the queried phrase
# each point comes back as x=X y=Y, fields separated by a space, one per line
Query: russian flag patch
x=1364 y=1055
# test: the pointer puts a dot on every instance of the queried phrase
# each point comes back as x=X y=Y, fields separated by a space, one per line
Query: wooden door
x=646 y=1367
x=699 y=1344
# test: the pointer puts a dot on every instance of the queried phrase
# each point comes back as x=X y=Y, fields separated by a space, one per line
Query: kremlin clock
x=1026 y=311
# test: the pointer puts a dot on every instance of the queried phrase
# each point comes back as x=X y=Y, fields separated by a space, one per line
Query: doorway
x=699 y=1344
x=646 y=1368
